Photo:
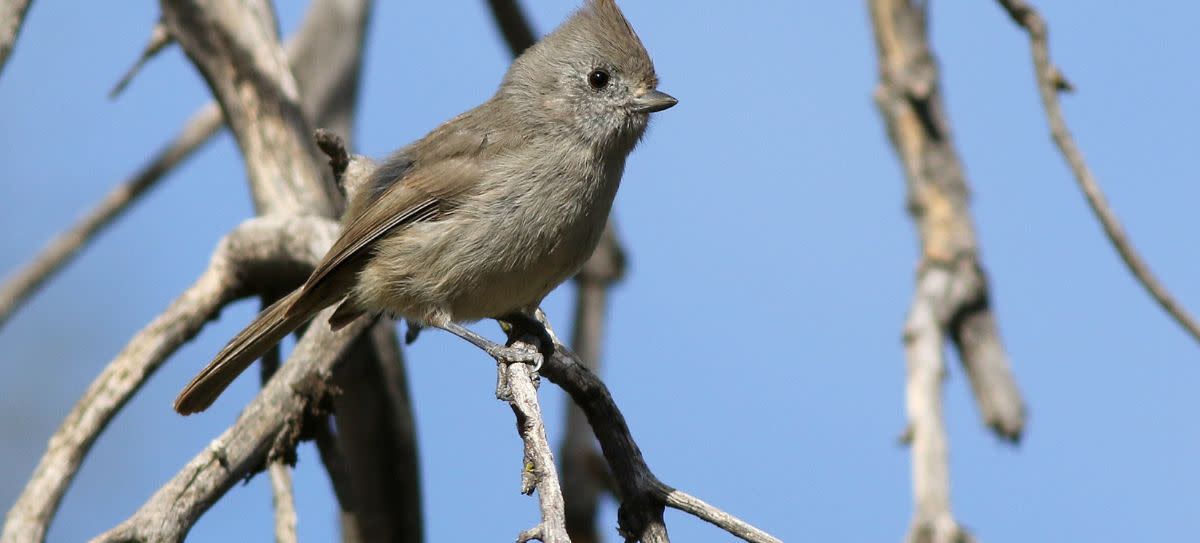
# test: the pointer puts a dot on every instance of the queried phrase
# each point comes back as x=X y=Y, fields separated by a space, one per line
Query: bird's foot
x=508 y=354
x=504 y=354
x=522 y=327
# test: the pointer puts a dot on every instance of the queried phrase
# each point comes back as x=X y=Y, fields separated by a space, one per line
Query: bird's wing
x=427 y=190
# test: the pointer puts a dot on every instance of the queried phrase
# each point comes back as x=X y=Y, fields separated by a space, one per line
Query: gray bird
x=488 y=213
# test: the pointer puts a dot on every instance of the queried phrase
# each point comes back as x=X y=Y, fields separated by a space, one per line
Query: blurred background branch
x=951 y=300
x=12 y=16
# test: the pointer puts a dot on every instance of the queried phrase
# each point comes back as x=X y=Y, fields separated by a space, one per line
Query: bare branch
x=696 y=507
x=376 y=435
x=159 y=40
x=641 y=494
x=282 y=497
x=514 y=26
x=951 y=299
x=1050 y=82
x=234 y=46
x=257 y=252
x=17 y=288
x=324 y=54
x=584 y=473
x=339 y=477
x=268 y=428
x=284 y=502
x=516 y=385
x=933 y=521
x=12 y=16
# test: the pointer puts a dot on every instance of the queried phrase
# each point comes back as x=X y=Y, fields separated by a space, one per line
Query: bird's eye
x=598 y=79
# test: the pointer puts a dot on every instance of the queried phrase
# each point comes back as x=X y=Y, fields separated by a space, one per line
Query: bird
x=489 y=212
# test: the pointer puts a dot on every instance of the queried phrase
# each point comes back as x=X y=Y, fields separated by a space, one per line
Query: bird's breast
x=534 y=231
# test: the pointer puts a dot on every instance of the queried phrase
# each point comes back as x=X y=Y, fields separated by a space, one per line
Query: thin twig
x=282 y=497
x=284 y=502
x=260 y=250
x=1050 y=82
x=514 y=26
x=17 y=288
x=12 y=16
x=159 y=40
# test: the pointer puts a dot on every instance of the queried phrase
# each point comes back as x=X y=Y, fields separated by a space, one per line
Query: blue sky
x=755 y=344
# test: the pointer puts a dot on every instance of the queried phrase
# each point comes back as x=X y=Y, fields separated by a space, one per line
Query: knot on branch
x=317 y=392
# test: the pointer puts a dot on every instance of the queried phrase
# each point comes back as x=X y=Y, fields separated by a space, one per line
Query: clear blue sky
x=755 y=345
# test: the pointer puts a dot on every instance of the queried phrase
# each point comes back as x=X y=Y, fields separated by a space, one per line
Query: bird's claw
x=517 y=355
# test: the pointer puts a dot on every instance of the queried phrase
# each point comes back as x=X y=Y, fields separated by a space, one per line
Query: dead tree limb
x=268 y=428
x=951 y=299
x=1051 y=82
x=12 y=16
x=233 y=46
x=324 y=53
x=259 y=251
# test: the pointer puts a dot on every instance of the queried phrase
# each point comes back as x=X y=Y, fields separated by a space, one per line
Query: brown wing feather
x=424 y=195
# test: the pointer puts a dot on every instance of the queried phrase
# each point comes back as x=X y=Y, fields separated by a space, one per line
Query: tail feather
x=268 y=329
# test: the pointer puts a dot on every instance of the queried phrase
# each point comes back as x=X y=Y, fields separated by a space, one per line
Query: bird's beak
x=653 y=101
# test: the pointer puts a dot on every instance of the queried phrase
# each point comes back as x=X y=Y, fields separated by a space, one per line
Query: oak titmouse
x=488 y=213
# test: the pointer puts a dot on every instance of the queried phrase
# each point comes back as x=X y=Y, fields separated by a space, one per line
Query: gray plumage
x=492 y=210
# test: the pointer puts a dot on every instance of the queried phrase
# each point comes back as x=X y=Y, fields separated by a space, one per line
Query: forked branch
x=325 y=55
x=257 y=253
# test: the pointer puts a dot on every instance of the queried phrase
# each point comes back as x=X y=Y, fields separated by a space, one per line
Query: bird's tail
x=272 y=325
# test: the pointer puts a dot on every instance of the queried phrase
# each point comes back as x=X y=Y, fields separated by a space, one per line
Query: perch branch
x=641 y=494
x=516 y=385
x=12 y=16
x=267 y=429
x=324 y=53
x=255 y=254
x=1051 y=81
x=584 y=474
